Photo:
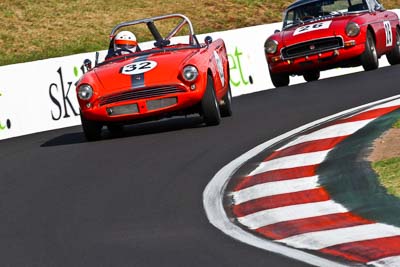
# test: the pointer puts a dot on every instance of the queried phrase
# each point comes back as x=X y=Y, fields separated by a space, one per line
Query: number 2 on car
x=312 y=27
x=138 y=67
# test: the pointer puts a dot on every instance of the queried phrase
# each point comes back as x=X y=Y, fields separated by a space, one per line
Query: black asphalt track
x=137 y=200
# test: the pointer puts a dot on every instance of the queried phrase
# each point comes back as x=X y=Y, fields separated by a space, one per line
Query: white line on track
x=213 y=195
x=386 y=105
x=336 y=130
x=389 y=261
x=298 y=160
x=323 y=239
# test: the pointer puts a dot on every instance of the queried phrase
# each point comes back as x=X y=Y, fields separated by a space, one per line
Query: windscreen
x=320 y=9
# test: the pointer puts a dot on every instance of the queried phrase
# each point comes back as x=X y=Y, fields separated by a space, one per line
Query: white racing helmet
x=125 y=39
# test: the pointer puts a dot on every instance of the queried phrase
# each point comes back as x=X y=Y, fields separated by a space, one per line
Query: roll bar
x=154 y=31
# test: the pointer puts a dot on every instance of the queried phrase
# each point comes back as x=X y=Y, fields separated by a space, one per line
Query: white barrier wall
x=40 y=96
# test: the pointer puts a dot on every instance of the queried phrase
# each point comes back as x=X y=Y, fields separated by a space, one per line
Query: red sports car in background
x=176 y=75
x=322 y=34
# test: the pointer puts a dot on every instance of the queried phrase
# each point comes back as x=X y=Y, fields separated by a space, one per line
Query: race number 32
x=138 y=67
x=312 y=27
x=388 y=31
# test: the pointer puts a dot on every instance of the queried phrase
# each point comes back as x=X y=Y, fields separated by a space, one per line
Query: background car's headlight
x=352 y=29
x=271 y=46
x=190 y=73
x=85 y=92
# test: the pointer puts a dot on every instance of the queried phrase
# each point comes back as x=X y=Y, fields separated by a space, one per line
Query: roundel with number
x=220 y=68
x=388 y=31
x=138 y=67
x=312 y=27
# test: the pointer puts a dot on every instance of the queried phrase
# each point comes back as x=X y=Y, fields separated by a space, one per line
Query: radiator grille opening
x=161 y=103
x=140 y=94
x=312 y=47
x=122 y=110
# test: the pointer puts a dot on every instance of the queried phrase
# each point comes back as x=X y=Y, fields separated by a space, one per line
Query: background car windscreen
x=319 y=9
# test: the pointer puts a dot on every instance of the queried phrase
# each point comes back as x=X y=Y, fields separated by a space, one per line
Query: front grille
x=140 y=94
x=161 y=103
x=122 y=110
x=312 y=47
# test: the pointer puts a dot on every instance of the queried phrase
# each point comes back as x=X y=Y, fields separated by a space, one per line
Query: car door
x=384 y=27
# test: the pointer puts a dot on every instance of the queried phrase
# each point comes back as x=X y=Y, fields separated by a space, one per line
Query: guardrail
x=39 y=96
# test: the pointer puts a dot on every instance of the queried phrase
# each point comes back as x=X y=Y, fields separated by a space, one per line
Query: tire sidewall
x=209 y=104
x=369 y=59
x=311 y=76
x=226 y=108
x=279 y=79
x=91 y=129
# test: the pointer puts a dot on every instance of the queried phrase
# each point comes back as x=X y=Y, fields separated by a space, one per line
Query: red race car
x=323 y=34
x=175 y=75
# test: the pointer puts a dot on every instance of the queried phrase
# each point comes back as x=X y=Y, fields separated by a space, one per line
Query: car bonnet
x=328 y=27
x=143 y=71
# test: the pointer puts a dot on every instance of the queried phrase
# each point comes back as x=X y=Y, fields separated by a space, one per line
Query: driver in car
x=311 y=11
x=125 y=42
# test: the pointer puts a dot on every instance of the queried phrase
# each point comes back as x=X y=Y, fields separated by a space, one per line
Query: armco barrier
x=39 y=96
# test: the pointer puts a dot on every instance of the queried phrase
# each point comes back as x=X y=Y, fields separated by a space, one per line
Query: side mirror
x=88 y=64
x=276 y=31
x=208 y=40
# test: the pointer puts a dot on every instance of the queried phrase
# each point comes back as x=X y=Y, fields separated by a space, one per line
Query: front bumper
x=126 y=107
x=339 y=57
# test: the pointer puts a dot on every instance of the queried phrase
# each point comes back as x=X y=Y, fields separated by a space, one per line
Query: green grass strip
x=389 y=174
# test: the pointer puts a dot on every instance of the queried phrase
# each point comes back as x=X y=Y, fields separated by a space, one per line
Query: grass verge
x=389 y=174
x=40 y=29
x=388 y=171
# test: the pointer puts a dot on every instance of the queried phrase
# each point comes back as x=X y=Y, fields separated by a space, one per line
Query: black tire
x=209 y=105
x=91 y=129
x=115 y=129
x=226 y=108
x=279 y=79
x=311 y=76
x=369 y=59
x=394 y=56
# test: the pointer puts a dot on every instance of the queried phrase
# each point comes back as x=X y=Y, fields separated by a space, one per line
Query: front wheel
x=279 y=79
x=311 y=76
x=394 y=56
x=209 y=105
x=91 y=129
x=369 y=59
x=226 y=107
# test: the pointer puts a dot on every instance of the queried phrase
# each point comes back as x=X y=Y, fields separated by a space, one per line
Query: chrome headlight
x=271 y=46
x=190 y=73
x=85 y=92
x=352 y=29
